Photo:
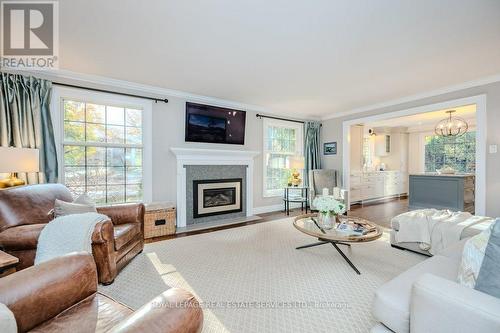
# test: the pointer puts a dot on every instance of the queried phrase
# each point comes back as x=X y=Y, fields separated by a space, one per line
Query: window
x=282 y=140
x=103 y=151
x=456 y=152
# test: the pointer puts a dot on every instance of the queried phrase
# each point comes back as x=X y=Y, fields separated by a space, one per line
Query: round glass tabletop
x=310 y=225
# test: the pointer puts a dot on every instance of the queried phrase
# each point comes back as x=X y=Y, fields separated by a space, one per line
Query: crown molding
x=412 y=98
x=66 y=76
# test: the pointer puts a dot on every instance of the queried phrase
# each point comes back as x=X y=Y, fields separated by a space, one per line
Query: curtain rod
x=111 y=92
x=260 y=116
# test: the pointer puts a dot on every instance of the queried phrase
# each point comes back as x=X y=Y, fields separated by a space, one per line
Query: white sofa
x=426 y=299
x=413 y=246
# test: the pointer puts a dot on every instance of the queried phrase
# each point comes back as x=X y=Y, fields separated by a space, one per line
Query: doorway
x=368 y=142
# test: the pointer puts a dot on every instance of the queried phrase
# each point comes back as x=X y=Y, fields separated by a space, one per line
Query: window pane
x=95 y=133
x=74 y=132
x=95 y=113
x=134 y=157
x=115 y=134
x=116 y=156
x=74 y=176
x=76 y=191
x=106 y=173
x=281 y=144
x=74 y=111
x=116 y=175
x=456 y=152
x=97 y=194
x=116 y=193
x=133 y=117
x=134 y=175
x=74 y=155
x=96 y=176
x=96 y=156
x=134 y=135
x=115 y=116
x=134 y=193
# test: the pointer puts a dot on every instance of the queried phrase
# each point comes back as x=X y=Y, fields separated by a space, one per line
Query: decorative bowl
x=446 y=171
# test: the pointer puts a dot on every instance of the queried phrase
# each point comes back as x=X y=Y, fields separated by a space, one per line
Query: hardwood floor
x=380 y=213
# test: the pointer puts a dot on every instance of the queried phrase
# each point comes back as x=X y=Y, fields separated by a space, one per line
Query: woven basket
x=159 y=220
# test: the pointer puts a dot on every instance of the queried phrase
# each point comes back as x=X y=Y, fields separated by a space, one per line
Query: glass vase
x=327 y=220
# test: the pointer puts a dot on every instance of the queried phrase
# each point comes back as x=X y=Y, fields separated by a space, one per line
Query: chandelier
x=451 y=126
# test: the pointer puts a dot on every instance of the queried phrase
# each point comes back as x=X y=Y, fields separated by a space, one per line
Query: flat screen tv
x=213 y=124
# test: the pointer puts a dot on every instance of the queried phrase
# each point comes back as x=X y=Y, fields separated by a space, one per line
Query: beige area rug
x=252 y=279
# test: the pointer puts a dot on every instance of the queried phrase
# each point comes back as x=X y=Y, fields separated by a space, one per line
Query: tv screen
x=214 y=124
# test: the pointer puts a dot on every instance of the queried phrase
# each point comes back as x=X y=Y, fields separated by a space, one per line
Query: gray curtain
x=25 y=122
x=312 y=151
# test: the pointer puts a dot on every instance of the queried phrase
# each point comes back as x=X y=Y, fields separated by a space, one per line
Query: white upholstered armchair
x=325 y=178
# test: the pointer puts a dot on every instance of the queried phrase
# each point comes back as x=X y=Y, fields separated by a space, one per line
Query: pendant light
x=451 y=126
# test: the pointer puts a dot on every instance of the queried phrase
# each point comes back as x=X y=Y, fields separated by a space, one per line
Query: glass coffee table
x=310 y=225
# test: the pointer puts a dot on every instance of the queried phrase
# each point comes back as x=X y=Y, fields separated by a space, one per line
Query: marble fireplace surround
x=193 y=156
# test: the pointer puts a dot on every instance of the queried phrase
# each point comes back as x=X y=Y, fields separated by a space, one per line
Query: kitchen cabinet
x=454 y=192
x=366 y=186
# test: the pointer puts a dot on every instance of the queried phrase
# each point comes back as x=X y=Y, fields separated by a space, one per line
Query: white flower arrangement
x=327 y=204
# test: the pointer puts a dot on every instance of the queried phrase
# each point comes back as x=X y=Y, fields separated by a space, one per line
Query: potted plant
x=329 y=208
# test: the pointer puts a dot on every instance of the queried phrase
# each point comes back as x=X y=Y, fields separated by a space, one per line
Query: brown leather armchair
x=24 y=211
x=60 y=295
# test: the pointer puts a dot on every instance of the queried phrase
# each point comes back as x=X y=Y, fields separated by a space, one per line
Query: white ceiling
x=467 y=112
x=300 y=58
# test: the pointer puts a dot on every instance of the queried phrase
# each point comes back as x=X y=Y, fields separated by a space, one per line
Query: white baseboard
x=273 y=208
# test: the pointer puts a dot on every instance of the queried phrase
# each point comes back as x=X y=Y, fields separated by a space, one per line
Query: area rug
x=252 y=279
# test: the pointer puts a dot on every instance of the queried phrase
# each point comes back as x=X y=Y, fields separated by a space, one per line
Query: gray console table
x=432 y=190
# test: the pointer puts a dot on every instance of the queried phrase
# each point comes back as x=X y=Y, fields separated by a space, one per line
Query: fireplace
x=216 y=196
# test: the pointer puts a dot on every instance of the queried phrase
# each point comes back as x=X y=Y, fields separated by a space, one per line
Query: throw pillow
x=80 y=205
x=488 y=280
x=479 y=268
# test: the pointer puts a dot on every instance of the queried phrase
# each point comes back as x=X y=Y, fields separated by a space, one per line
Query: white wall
x=332 y=131
x=168 y=132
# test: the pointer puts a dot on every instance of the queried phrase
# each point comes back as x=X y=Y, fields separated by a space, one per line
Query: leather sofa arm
x=440 y=305
x=103 y=249
x=103 y=232
x=126 y=213
x=174 y=311
x=41 y=292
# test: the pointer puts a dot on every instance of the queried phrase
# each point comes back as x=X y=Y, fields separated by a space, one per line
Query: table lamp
x=296 y=164
x=14 y=160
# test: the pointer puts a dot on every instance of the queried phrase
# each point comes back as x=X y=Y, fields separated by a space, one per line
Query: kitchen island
x=442 y=191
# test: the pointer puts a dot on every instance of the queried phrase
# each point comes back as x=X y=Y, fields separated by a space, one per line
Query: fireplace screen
x=214 y=197
x=219 y=197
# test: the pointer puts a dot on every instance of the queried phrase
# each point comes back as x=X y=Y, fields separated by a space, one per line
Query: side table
x=292 y=194
x=8 y=264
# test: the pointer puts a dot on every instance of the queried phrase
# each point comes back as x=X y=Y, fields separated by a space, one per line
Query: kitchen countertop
x=374 y=171
x=435 y=174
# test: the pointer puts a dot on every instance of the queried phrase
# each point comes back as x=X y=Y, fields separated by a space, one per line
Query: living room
x=180 y=167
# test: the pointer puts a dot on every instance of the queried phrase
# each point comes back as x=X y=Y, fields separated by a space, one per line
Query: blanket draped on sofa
x=65 y=234
x=434 y=229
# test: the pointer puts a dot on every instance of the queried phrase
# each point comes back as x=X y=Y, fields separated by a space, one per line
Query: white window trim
x=57 y=114
x=299 y=149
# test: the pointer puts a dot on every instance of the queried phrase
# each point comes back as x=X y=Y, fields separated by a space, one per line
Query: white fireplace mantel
x=194 y=156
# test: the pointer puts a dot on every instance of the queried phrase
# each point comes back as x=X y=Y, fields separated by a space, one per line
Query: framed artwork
x=330 y=148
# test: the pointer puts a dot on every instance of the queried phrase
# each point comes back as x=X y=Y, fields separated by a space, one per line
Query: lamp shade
x=297 y=162
x=18 y=160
